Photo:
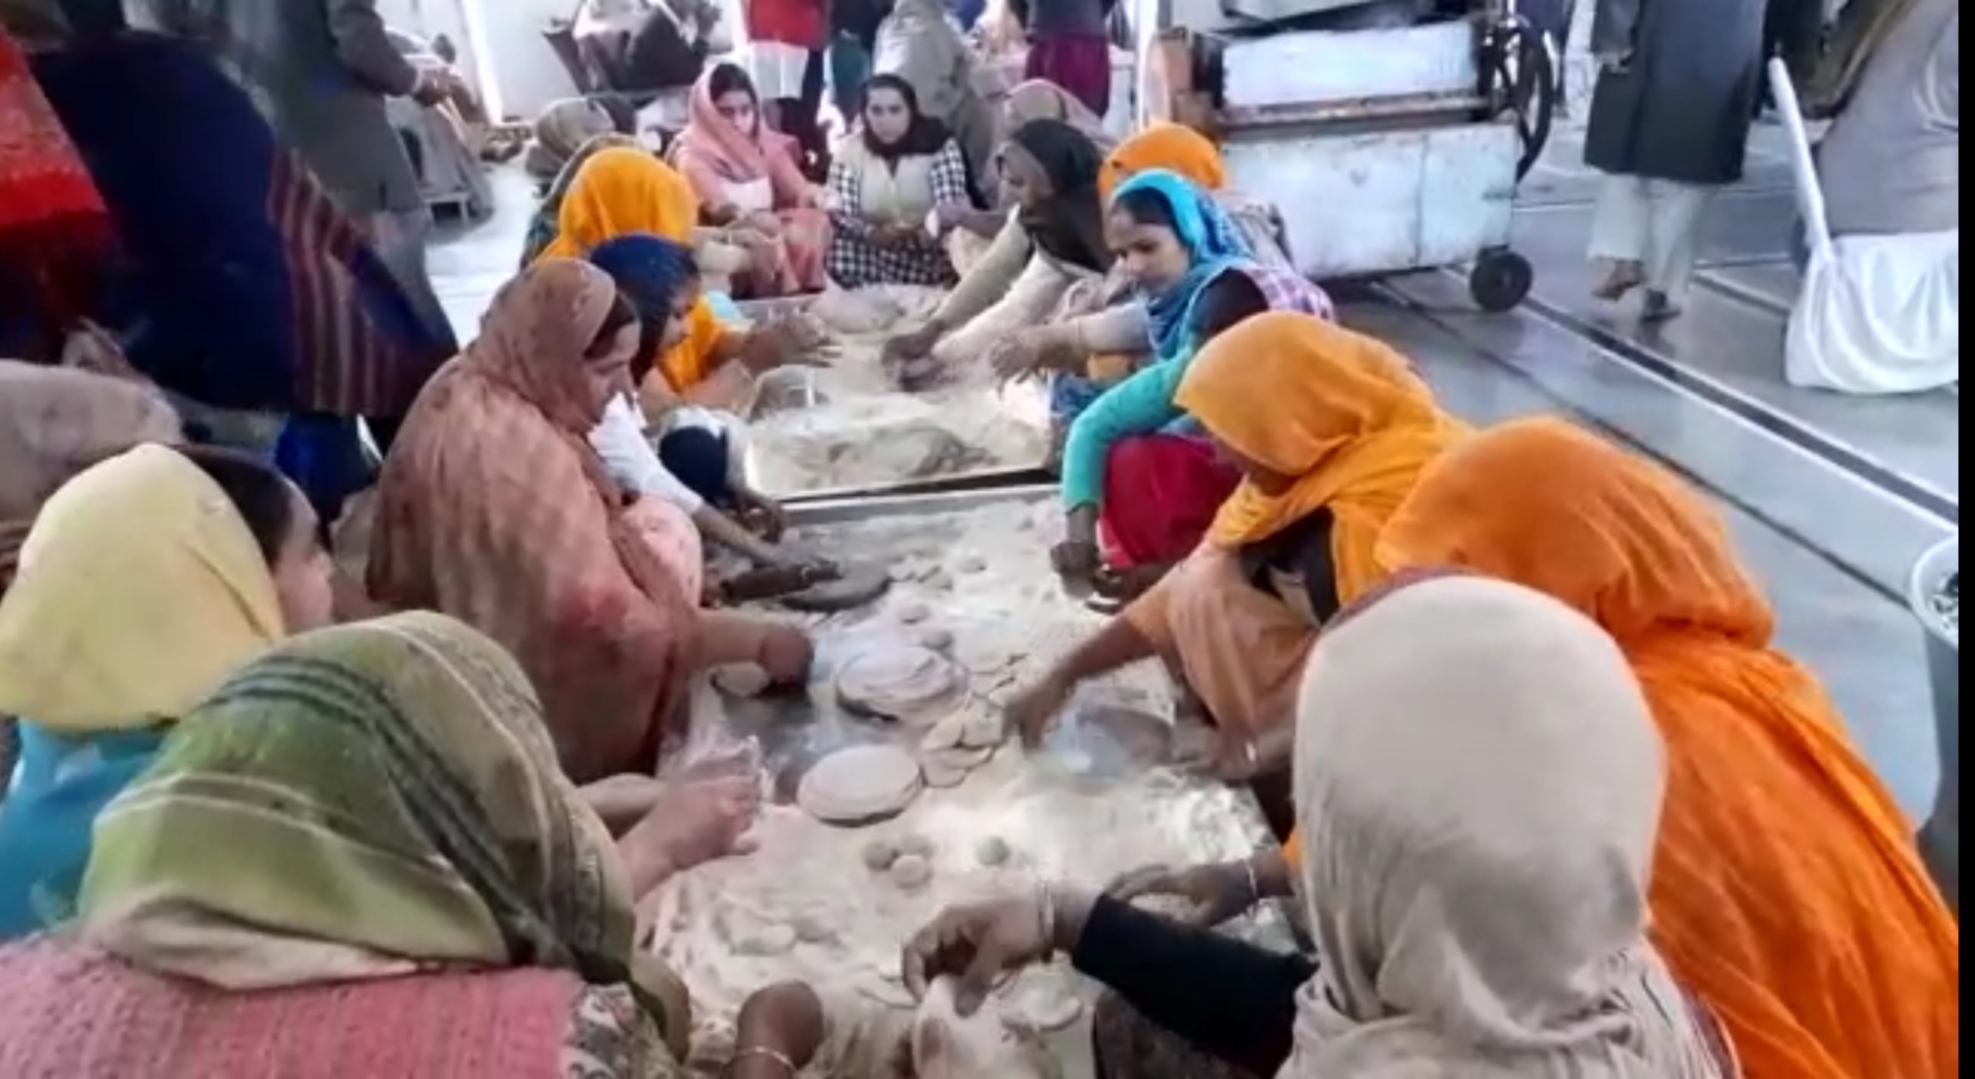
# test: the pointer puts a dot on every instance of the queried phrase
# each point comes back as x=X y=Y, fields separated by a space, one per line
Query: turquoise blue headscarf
x=1212 y=240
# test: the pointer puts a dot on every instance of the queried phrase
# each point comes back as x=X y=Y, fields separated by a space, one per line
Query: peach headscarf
x=1340 y=414
x=622 y=190
x=494 y=510
x=1786 y=891
x=1163 y=145
x=713 y=151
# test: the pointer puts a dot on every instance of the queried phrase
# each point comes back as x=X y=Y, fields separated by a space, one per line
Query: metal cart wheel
x=1500 y=281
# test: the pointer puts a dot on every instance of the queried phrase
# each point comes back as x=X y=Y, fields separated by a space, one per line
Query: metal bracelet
x=773 y=1056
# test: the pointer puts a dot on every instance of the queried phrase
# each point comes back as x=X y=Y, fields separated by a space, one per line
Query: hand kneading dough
x=980 y=1046
x=859 y=784
x=1043 y=1002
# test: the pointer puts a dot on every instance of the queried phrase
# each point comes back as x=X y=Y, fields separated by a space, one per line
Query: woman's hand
x=780 y=1026
x=786 y=653
x=622 y=801
x=691 y=822
x=762 y=516
x=1034 y=709
x=977 y=943
x=764 y=222
x=1077 y=563
x=911 y=346
x=1215 y=893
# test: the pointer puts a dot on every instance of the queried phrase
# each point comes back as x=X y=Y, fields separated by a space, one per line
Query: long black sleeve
x=1228 y=998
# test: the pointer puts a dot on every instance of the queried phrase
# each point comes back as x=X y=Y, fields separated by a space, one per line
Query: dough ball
x=915 y=845
x=879 y=854
x=939 y=581
x=911 y=614
x=1044 y=1002
x=911 y=871
x=741 y=679
x=992 y=851
x=972 y=563
x=939 y=640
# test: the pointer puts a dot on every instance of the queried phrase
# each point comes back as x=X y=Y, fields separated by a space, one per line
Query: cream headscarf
x=140 y=588
x=1478 y=783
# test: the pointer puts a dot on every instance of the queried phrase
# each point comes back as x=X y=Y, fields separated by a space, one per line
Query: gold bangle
x=773 y=1056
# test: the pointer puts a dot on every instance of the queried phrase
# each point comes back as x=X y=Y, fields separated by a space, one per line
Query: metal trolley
x=1395 y=144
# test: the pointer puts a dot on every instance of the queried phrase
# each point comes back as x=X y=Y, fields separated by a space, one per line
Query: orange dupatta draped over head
x=494 y=510
x=1341 y=416
x=1170 y=146
x=1786 y=890
x=624 y=190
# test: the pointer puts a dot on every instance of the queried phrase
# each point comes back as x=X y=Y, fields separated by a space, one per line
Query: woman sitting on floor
x=622 y=192
x=1787 y=893
x=494 y=509
x=1193 y=276
x=144 y=582
x=543 y=225
x=894 y=171
x=358 y=857
x=1480 y=783
x=697 y=464
x=563 y=128
x=1330 y=430
x=746 y=177
x=1055 y=238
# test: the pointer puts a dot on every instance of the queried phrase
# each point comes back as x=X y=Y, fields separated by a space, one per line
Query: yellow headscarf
x=1339 y=413
x=140 y=589
x=622 y=190
x=1175 y=147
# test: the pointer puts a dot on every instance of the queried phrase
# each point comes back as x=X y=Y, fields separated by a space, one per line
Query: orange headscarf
x=1786 y=889
x=1340 y=414
x=622 y=190
x=1163 y=145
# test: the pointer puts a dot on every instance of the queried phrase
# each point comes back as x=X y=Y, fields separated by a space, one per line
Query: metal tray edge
x=838 y=511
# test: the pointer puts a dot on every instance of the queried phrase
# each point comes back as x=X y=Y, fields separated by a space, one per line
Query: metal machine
x=1391 y=139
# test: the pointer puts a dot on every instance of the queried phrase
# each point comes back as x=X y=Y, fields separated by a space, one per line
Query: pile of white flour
x=865 y=431
x=807 y=906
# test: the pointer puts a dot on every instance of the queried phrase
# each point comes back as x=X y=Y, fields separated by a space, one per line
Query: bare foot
x=1624 y=277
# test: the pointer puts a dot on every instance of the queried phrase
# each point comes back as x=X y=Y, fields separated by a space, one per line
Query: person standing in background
x=1070 y=45
x=320 y=71
x=1669 y=123
x=786 y=61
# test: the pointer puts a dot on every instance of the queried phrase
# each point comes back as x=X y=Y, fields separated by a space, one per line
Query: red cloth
x=1079 y=63
x=55 y=231
x=69 y=1009
x=1160 y=496
x=803 y=23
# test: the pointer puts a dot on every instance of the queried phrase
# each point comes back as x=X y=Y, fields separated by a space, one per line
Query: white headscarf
x=1478 y=783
